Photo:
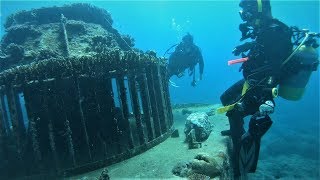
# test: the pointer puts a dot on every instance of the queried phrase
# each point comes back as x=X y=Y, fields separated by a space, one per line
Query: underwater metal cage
x=62 y=116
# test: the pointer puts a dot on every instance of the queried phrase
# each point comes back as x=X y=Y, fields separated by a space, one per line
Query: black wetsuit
x=185 y=56
x=271 y=46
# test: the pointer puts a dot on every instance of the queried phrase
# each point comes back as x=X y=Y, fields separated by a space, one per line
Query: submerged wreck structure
x=75 y=95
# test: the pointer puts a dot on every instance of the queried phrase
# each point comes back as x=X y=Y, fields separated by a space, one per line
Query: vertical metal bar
x=5 y=115
x=2 y=118
x=125 y=110
x=83 y=121
x=144 y=91
x=17 y=125
x=136 y=108
x=159 y=97
x=165 y=82
x=3 y=137
x=53 y=144
x=114 y=125
x=69 y=141
x=105 y=130
x=163 y=105
x=32 y=125
x=153 y=100
x=49 y=100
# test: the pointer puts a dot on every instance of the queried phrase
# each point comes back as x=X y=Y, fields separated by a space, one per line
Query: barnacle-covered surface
x=38 y=34
x=106 y=64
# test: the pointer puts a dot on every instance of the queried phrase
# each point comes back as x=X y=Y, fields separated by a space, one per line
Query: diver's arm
x=201 y=64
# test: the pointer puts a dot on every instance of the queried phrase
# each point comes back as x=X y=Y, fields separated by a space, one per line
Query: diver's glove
x=243 y=48
x=266 y=108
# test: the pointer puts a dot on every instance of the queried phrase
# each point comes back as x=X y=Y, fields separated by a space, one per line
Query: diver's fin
x=248 y=154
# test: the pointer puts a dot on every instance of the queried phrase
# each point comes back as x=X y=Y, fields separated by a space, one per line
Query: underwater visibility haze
x=291 y=147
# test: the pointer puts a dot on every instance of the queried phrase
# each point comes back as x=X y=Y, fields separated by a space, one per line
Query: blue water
x=214 y=25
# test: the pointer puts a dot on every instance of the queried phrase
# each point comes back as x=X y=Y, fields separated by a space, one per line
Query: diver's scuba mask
x=252 y=11
x=245 y=15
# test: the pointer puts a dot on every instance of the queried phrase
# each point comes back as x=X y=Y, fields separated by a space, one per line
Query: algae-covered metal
x=78 y=96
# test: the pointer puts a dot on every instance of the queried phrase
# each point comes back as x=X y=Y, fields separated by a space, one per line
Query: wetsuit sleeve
x=201 y=63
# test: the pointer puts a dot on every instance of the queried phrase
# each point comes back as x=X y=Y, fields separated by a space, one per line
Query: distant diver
x=186 y=56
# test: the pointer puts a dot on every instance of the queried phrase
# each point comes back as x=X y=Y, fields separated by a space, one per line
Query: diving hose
x=296 y=50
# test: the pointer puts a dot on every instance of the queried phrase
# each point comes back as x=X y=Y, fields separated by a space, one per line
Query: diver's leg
x=250 y=142
x=236 y=131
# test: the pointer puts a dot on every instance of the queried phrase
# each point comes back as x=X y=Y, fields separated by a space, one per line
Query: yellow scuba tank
x=293 y=87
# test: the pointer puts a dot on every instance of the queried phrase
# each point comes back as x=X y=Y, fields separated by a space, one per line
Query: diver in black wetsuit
x=270 y=46
x=185 y=56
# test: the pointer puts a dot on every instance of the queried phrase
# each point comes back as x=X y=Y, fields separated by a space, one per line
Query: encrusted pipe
x=65 y=35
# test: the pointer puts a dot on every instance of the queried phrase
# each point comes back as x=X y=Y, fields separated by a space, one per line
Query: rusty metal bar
x=69 y=141
x=4 y=111
x=53 y=144
x=91 y=111
x=159 y=98
x=144 y=91
x=165 y=86
x=107 y=124
x=3 y=138
x=18 y=130
x=113 y=120
x=125 y=110
x=136 y=108
x=3 y=116
x=33 y=119
x=153 y=101
x=82 y=119
x=47 y=102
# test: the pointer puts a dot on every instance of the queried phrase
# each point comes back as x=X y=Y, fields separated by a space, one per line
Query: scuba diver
x=185 y=56
x=268 y=61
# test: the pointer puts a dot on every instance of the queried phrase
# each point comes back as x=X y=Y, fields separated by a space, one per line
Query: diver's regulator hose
x=296 y=50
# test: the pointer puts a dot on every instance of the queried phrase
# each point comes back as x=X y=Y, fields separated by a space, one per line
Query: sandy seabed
x=157 y=162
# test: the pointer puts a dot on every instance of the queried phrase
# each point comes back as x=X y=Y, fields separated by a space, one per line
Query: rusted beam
x=159 y=98
x=82 y=119
x=33 y=119
x=18 y=129
x=165 y=86
x=125 y=110
x=136 y=108
x=153 y=99
x=145 y=98
x=114 y=119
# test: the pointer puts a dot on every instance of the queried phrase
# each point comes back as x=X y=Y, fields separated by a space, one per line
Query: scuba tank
x=305 y=57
